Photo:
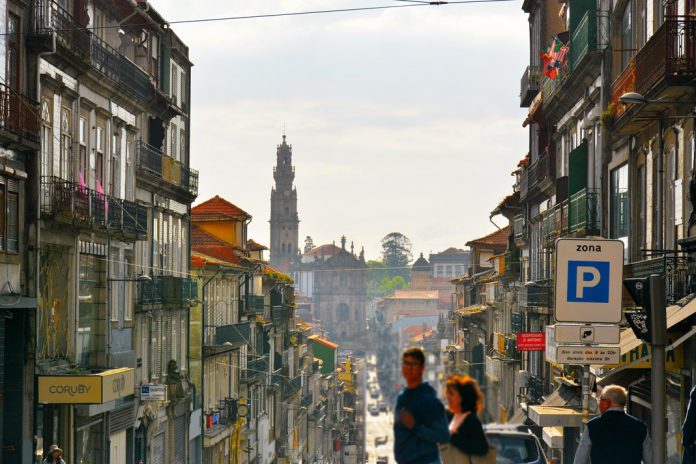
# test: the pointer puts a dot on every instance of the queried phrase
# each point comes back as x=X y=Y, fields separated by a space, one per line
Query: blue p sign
x=588 y=281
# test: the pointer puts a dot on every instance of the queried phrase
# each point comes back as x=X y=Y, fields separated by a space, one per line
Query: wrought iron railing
x=235 y=334
x=535 y=390
x=583 y=213
x=70 y=202
x=672 y=267
x=256 y=368
x=251 y=304
x=19 y=114
x=534 y=175
x=626 y=82
x=535 y=295
x=555 y=221
x=226 y=413
x=50 y=17
x=167 y=289
x=517 y=321
x=152 y=162
x=529 y=86
x=669 y=54
x=584 y=39
x=120 y=69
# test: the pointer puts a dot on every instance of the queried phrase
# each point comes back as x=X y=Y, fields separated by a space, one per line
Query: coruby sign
x=97 y=388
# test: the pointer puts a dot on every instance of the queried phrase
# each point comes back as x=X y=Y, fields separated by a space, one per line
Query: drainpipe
x=678 y=133
x=659 y=185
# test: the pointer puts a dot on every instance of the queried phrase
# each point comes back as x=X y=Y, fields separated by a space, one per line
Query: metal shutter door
x=158 y=448
x=180 y=440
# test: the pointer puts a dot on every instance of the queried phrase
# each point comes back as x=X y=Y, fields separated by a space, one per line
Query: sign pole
x=658 y=320
x=585 y=395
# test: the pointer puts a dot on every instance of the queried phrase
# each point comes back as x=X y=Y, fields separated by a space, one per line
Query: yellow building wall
x=226 y=231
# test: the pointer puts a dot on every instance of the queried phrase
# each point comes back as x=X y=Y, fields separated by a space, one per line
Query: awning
x=17 y=302
x=534 y=114
x=553 y=436
x=471 y=310
x=562 y=408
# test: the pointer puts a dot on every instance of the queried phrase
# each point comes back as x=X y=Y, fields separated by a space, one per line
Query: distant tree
x=396 y=254
x=388 y=286
x=376 y=271
x=308 y=244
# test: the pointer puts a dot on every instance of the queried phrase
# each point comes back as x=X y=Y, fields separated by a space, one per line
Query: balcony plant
x=608 y=118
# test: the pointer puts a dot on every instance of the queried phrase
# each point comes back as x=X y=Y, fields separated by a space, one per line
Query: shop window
x=619 y=211
x=9 y=215
x=92 y=309
x=89 y=440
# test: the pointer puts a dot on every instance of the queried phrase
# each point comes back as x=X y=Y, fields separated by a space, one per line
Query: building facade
x=284 y=219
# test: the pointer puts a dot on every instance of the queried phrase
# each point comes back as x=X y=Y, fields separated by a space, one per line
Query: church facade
x=284 y=219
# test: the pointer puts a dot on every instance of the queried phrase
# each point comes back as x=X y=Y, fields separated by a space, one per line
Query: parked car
x=374 y=410
x=383 y=460
x=381 y=440
x=374 y=393
x=515 y=446
x=382 y=406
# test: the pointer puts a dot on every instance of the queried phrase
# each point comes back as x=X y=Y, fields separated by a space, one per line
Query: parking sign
x=588 y=280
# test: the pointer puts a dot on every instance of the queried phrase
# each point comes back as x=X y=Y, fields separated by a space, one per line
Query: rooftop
x=218 y=209
x=497 y=239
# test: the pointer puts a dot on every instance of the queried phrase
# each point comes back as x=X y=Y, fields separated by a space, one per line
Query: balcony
x=536 y=178
x=519 y=228
x=517 y=321
x=626 y=82
x=251 y=305
x=583 y=213
x=535 y=390
x=294 y=385
x=669 y=57
x=555 y=222
x=19 y=117
x=535 y=295
x=256 y=369
x=120 y=69
x=51 y=18
x=235 y=334
x=280 y=313
x=584 y=39
x=673 y=268
x=167 y=290
x=154 y=164
x=306 y=400
x=225 y=414
x=68 y=202
x=529 y=86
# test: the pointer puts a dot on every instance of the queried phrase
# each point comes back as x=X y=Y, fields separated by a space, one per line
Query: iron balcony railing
x=226 y=413
x=519 y=227
x=532 y=177
x=535 y=390
x=578 y=215
x=50 y=17
x=672 y=268
x=626 y=82
x=669 y=55
x=517 y=321
x=152 y=162
x=234 y=334
x=256 y=369
x=70 y=202
x=120 y=69
x=529 y=86
x=294 y=385
x=306 y=400
x=555 y=221
x=167 y=289
x=251 y=304
x=19 y=114
x=535 y=295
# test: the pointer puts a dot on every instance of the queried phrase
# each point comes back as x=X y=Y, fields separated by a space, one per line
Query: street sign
x=586 y=355
x=586 y=333
x=153 y=393
x=531 y=341
x=588 y=280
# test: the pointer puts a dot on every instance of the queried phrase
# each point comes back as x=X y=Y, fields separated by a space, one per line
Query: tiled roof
x=323 y=341
x=217 y=209
x=255 y=246
x=499 y=238
x=451 y=251
x=207 y=244
x=328 y=249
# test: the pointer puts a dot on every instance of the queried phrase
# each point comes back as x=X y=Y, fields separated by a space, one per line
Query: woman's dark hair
x=472 y=398
x=415 y=352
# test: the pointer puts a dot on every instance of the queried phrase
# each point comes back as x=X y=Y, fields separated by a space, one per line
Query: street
x=378 y=433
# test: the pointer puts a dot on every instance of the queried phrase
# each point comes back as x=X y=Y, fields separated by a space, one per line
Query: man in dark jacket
x=689 y=431
x=600 y=443
x=419 y=417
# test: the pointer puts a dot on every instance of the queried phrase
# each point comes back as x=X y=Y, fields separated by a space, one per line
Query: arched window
x=343 y=313
x=282 y=248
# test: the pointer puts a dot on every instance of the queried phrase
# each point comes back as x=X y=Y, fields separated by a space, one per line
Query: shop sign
x=98 y=388
x=531 y=341
x=674 y=358
x=153 y=392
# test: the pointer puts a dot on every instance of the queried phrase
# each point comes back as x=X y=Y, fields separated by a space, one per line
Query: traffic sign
x=587 y=333
x=588 y=280
x=586 y=355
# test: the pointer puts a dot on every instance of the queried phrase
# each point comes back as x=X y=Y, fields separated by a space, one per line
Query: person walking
x=468 y=444
x=614 y=437
x=54 y=456
x=420 y=422
x=689 y=431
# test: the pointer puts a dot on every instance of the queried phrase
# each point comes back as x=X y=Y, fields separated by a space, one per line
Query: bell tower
x=284 y=220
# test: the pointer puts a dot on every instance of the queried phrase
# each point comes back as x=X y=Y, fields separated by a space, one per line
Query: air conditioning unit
x=522 y=378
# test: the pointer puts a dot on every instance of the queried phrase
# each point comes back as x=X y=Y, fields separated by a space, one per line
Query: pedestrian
x=54 y=456
x=689 y=431
x=420 y=422
x=614 y=437
x=467 y=444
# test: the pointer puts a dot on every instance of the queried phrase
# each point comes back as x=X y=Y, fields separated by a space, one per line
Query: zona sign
x=588 y=280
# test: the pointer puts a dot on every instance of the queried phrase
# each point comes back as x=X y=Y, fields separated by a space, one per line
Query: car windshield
x=514 y=449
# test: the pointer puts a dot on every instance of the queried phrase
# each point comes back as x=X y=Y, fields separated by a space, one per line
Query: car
x=374 y=410
x=382 y=406
x=374 y=393
x=381 y=440
x=383 y=460
x=515 y=446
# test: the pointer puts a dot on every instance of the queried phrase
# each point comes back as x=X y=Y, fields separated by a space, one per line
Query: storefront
x=90 y=416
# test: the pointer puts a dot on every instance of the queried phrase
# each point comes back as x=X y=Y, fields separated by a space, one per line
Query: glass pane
x=91 y=327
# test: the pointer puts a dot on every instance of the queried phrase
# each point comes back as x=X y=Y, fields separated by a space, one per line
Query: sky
x=403 y=120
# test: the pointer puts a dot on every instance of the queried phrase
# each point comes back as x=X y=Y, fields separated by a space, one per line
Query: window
x=13 y=222
x=65 y=144
x=628 y=32
x=619 y=203
x=115 y=166
x=175 y=85
x=46 y=137
x=182 y=91
x=83 y=150
x=13 y=51
x=154 y=60
x=173 y=142
x=99 y=165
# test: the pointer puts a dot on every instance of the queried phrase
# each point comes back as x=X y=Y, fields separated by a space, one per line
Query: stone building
x=340 y=297
x=284 y=220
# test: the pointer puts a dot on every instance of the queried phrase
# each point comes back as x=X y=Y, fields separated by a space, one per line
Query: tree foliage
x=380 y=283
x=396 y=254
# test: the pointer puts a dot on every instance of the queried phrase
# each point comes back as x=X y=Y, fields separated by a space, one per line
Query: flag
x=549 y=66
x=554 y=57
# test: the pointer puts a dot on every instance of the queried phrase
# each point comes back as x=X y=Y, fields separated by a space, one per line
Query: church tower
x=284 y=220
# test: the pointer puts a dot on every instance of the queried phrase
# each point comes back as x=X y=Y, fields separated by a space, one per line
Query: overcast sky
x=401 y=120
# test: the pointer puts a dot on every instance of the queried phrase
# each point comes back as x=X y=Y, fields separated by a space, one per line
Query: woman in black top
x=465 y=401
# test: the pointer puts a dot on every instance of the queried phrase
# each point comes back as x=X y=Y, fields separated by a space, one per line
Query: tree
x=380 y=283
x=396 y=254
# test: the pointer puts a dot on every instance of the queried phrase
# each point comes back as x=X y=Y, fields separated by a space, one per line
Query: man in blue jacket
x=689 y=431
x=420 y=422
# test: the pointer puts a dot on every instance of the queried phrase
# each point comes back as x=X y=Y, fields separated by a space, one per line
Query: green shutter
x=577 y=169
